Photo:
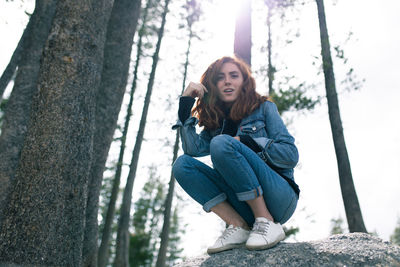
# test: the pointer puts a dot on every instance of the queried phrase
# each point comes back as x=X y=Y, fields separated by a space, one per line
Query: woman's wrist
x=185 y=106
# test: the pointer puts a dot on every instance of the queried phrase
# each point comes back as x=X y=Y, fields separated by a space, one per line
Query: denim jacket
x=264 y=125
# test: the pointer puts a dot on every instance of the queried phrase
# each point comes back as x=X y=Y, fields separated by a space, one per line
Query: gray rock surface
x=355 y=249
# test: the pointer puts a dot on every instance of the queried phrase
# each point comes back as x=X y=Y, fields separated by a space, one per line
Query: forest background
x=369 y=115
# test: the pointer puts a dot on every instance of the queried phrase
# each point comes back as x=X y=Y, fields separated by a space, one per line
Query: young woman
x=251 y=185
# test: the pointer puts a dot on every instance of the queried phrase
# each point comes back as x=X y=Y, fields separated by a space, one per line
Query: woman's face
x=229 y=83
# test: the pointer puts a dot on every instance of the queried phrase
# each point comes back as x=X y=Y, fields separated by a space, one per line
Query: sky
x=369 y=115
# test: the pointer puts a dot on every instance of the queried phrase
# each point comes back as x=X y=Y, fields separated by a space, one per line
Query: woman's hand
x=237 y=138
x=195 y=90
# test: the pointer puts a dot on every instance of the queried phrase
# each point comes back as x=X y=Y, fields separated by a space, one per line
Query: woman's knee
x=180 y=166
x=220 y=145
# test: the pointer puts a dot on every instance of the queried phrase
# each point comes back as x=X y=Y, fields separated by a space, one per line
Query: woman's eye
x=220 y=78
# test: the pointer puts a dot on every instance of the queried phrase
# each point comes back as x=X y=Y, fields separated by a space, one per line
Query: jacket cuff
x=192 y=121
x=185 y=107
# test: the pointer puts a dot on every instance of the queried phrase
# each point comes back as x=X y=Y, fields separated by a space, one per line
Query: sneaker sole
x=224 y=248
x=250 y=247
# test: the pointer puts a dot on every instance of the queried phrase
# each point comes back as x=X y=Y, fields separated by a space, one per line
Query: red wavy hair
x=209 y=109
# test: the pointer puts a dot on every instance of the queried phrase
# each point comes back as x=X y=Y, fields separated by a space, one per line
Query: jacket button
x=254 y=128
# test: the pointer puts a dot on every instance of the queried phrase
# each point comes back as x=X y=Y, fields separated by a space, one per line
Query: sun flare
x=220 y=23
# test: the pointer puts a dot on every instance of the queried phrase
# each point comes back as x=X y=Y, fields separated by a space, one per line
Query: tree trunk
x=117 y=53
x=105 y=240
x=44 y=221
x=162 y=252
x=122 y=250
x=17 y=113
x=242 y=45
x=271 y=69
x=349 y=195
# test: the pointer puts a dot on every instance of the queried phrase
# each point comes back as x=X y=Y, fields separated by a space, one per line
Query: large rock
x=356 y=249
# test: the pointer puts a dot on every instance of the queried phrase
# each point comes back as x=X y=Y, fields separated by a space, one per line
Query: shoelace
x=261 y=227
x=228 y=232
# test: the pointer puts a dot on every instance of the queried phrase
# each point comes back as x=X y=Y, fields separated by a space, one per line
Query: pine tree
x=193 y=13
x=109 y=217
x=147 y=226
x=395 y=237
x=17 y=114
x=146 y=221
x=174 y=244
x=349 y=195
x=337 y=226
x=121 y=28
x=287 y=96
x=122 y=250
x=43 y=223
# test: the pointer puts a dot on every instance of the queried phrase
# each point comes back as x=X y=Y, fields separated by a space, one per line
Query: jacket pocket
x=254 y=129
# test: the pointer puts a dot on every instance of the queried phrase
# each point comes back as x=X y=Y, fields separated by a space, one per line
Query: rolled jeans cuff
x=214 y=201
x=249 y=195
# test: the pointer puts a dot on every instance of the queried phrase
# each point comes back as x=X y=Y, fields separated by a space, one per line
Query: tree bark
x=105 y=240
x=17 y=113
x=122 y=249
x=349 y=195
x=242 y=44
x=117 y=53
x=44 y=221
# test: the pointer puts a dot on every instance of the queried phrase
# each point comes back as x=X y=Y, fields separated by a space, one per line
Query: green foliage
x=174 y=250
x=351 y=81
x=337 y=226
x=148 y=212
x=139 y=254
x=147 y=225
x=293 y=98
x=395 y=237
x=292 y=231
x=286 y=95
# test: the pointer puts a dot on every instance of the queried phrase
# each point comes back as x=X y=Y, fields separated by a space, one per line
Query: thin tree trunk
x=105 y=240
x=17 y=113
x=349 y=195
x=271 y=69
x=162 y=252
x=45 y=216
x=242 y=44
x=122 y=250
x=117 y=53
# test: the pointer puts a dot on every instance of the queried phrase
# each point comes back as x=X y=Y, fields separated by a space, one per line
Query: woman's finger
x=204 y=88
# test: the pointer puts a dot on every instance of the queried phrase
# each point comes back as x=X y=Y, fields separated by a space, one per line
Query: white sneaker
x=265 y=234
x=232 y=237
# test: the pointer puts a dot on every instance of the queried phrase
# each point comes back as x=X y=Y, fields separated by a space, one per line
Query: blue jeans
x=239 y=174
